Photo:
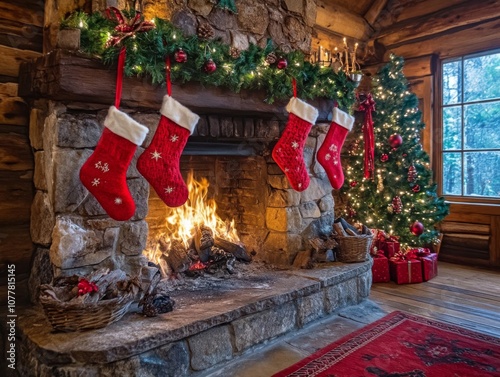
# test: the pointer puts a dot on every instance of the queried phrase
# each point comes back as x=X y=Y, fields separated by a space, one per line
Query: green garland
x=146 y=54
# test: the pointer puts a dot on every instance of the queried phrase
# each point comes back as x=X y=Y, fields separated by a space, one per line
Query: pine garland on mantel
x=146 y=53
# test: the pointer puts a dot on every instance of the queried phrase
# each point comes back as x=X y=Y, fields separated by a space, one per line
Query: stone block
x=202 y=127
x=75 y=246
x=320 y=226
x=171 y=360
x=309 y=210
x=78 y=131
x=317 y=189
x=132 y=171
x=249 y=127
x=186 y=21
x=239 y=128
x=364 y=285
x=283 y=198
x=256 y=328
x=214 y=125
x=279 y=182
x=41 y=273
x=37 y=120
x=70 y=371
x=39 y=177
x=127 y=368
x=210 y=347
x=201 y=7
x=252 y=16
x=310 y=308
x=139 y=188
x=326 y=203
x=133 y=237
x=275 y=30
x=298 y=34
x=288 y=244
x=274 y=129
x=341 y=295
x=283 y=219
x=309 y=13
x=222 y=19
x=68 y=191
x=296 y=6
x=239 y=40
x=274 y=169
x=42 y=219
x=226 y=127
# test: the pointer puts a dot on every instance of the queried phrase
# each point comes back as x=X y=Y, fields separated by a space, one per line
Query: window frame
x=438 y=157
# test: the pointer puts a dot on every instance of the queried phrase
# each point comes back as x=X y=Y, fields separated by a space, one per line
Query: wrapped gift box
x=429 y=263
x=406 y=271
x=382 y=241
x=380 y=269
x=391 y=247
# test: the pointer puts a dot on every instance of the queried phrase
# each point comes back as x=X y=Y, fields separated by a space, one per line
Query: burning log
x=238 y=251
x=203 y=242
x=175 y=255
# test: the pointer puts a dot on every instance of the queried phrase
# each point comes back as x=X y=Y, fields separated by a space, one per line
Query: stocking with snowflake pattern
x=104 y=172
x=329 y=153
x=159 y=163
x=288 y=152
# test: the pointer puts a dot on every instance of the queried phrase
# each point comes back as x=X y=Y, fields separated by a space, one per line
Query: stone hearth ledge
x=254 y=308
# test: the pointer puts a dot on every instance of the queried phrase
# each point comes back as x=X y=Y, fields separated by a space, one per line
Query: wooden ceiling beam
x=374 y=11
x=341 y=21
x=443 y=21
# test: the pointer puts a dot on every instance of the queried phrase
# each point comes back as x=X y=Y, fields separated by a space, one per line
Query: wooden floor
x=466 y=296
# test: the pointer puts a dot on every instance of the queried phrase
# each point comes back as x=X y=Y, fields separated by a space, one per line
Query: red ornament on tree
x=415 y=188
x=281 y=63
x=417 y=228
x=395 y=141
x=397 y=205
x=209 y=66
x=180 y=56
x=384 y=157
x=353 y=183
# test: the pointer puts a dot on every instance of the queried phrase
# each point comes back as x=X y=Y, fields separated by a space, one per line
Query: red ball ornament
x=384 y=157
x=417 y=228
x=395 y=141
x=281 y=63
x=415 y=188
x=209 y=66
x=180 y=56
x=353 y=183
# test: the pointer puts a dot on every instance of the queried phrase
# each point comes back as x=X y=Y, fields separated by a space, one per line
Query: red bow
x=368 y=105
x=402 y=256
x=126 y=28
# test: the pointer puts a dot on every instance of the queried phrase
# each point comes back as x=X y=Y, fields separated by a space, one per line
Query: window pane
x=452 y=128
x=481 y=174
x=452 y=174
x=481 y=122
x=452 y=86
x=482 y=75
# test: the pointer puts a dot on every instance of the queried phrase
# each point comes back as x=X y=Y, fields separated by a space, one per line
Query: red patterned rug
x=404 y=345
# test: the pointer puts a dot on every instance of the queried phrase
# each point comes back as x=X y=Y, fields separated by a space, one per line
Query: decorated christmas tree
x=389 y=186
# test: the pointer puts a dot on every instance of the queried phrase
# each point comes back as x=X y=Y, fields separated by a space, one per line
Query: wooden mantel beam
x=70 y=77
x=341 y=21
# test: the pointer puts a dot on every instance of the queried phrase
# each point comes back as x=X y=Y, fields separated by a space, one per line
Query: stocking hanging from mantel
x=104 y=173
x=288 y=152
x=160 y=162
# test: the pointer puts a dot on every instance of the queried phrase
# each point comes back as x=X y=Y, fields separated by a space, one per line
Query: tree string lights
x=403 y=193
x=249 y=69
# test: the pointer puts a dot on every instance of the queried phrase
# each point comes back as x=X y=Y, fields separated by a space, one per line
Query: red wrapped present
x=389 y=244
x=391 y=247
x=429 y=262
x=404 y=270
x=380 y=269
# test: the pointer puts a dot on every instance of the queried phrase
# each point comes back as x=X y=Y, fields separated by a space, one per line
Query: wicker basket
x=354 y=248
x=76 y=316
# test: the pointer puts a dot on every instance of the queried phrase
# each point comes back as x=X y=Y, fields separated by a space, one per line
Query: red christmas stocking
x=289 y=150
x=329 y=153
x=159 y=163
x=104 y=173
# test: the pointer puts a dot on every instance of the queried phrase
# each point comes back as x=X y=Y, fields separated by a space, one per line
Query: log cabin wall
x=21 y=30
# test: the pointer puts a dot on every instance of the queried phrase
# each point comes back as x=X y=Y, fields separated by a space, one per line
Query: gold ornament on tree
x=234 y=52
x=205 y=31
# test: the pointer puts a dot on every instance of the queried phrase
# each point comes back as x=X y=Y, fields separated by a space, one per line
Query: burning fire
x=182 y=222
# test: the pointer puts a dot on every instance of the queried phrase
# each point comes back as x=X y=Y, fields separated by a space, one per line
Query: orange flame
x=198 y=210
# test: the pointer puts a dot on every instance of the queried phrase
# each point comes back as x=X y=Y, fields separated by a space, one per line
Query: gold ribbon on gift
x=409 y=271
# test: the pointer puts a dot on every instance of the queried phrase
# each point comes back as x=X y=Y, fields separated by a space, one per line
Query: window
x=471 y=126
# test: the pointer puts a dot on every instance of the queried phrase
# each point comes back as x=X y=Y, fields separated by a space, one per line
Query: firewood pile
x=204 y=253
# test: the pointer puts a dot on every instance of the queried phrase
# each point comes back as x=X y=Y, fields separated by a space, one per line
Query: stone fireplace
x=231 y=148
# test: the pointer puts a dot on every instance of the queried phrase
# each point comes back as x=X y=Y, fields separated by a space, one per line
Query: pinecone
x=271 y=58
x=234 y=52
x=205 y=31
